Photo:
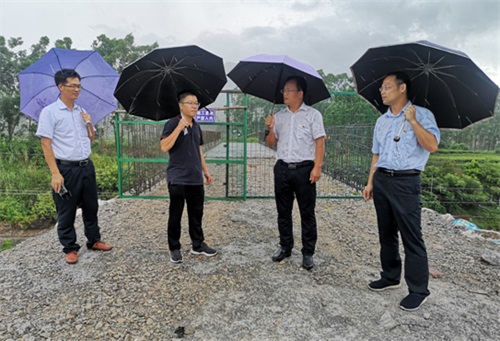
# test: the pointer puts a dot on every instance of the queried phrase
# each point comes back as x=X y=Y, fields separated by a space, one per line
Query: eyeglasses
x=191 y=103
x=387 y=87
x=73 y=86
x=288 y=90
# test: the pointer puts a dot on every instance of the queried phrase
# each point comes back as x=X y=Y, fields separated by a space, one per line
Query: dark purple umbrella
x=149 y=86
x=443 y=80
x=264 y=76
x=38 y=88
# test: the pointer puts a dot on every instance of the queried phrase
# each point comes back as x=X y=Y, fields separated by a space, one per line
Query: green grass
x=6 y=245
x=462 y=156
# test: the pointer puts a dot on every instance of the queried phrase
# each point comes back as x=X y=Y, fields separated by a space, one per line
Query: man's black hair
x=183 y=94
x=402 y=78
x=61 y=76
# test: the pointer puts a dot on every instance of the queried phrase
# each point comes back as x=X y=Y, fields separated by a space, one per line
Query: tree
x=337 y=83
x=13 y=61
x=120 y=52
x=64 y=43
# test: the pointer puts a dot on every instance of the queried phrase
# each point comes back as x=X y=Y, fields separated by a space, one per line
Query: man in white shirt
x=66 y=131
x=300 y=137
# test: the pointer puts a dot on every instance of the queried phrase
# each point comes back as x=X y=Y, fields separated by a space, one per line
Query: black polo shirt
x=184 y=166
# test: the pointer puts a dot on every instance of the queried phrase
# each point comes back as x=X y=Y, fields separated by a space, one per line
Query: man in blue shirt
x=66 y=131
x=403 y=139
x=182 y=138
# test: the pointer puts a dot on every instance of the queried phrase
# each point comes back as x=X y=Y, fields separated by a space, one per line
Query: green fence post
x=245 y=138
x=118 y=154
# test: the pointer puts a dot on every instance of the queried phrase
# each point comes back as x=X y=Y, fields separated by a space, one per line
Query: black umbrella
x=149 y=86
x=445 y=81
x=264 y=76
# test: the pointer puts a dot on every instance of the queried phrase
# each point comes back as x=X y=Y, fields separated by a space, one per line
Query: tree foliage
x=119 y=52
x=465 y=189
x=12 y=61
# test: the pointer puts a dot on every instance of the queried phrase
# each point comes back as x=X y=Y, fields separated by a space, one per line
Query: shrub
x=12 y=210
x=6 y=245
x=106 y=170
x=44 y=208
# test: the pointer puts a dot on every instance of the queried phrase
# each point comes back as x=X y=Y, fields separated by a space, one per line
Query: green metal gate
x=237 y=157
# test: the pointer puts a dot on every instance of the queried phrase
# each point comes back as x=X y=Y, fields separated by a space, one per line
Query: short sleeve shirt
x=66 y=129
x=296 y=133
x=407 y=153
x=184 y=166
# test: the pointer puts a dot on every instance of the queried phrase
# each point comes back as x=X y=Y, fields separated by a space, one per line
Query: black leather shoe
x=307 y=262
x=281 y=254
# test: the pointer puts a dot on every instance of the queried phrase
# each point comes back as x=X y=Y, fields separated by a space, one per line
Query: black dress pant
x=398 y=205
x=194 y=196
x=288 y=184
x=81 y=182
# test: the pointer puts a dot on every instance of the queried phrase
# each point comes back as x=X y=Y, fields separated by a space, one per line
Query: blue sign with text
x=205 y=115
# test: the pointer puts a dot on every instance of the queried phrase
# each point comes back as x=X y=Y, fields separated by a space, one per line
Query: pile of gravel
x=135 y=293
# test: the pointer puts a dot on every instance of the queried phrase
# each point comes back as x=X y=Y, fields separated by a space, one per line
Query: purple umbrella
x=264 y=76
x=38 y=89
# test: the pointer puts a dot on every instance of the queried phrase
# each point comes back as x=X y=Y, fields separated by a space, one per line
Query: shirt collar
x=194 y=121
x=389 y=113
x=63 y=106
x=303 y=107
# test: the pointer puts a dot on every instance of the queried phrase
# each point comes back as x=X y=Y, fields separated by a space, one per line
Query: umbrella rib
x=371 y=83
x=35 y=97
x=138 y=74
x=84 y=59
x=97 y=96
x=188 y=80
x=173 y=66
x=143 y=85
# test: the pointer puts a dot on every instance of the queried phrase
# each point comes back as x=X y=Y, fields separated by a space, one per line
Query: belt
x=295 y=165
x=390 y=172
x=81 y=163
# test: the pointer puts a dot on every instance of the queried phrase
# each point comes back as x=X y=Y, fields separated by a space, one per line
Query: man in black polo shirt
x=182 y=138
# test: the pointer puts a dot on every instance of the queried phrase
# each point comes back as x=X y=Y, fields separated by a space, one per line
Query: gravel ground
x=135 y=293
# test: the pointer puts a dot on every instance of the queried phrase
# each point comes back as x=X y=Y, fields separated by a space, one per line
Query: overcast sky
x=329 y=35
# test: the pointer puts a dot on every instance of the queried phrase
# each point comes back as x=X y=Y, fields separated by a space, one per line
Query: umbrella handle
x=398 y=136
x=89 y=128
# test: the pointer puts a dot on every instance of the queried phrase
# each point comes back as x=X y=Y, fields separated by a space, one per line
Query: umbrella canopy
x=98 y=78
x=264 y=76
x=149 y=86
x=445 y=81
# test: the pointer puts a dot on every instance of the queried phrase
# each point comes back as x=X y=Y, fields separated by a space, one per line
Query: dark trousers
x=290 y=183
x=81 y=182
x=398 y=206
x=194 y=196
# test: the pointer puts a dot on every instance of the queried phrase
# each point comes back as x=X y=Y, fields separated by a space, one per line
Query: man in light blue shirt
x=403 y=139
x=66 y=131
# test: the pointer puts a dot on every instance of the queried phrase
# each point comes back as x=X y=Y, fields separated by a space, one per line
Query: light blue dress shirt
x=296 y=133
x=66 y=129
x=407 y=153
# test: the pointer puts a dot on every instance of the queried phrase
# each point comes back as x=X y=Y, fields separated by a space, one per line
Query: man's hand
x=368 y=192
x=315 y=174
x=270 y=121
x=182 y=124
x=411 y=114
x=208 y=176
x=57 y=182
x=86 y=117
